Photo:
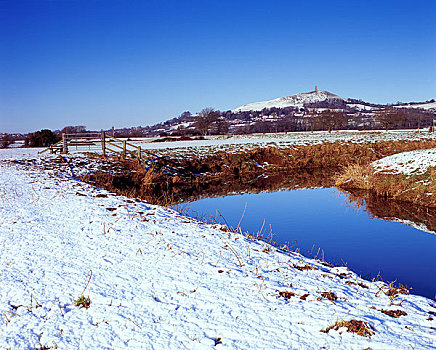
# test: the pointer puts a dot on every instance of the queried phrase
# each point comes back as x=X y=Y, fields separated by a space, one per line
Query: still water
x=323 y=218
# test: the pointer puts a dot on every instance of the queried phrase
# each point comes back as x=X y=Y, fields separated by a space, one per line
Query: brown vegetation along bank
x=322 y=155
x=252 y=170
x=418 y=189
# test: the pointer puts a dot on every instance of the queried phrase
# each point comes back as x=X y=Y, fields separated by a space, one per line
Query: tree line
x=213 y=122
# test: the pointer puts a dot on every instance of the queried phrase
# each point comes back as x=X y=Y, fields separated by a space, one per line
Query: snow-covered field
x=236 y=143
x=408 y=163
x=426 y=105
x=163 y=281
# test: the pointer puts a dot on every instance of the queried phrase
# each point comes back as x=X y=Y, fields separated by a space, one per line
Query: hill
x=297 y=101
x=299 y=112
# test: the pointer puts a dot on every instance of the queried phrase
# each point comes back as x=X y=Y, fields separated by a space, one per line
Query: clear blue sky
x=129 y=63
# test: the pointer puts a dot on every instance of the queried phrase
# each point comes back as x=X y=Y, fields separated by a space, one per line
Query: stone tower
x=316 y=88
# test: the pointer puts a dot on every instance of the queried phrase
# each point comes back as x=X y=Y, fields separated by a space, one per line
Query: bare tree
x=222 y=126
x=74 y=129
x=5 y=141
x=327 y=120
x=340 y=120
x=390 y=117
x=205 y=119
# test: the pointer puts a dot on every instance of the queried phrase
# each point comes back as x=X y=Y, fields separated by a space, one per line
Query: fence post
x=103 y=143
x=64 y=144
x=139 y=154
x=124 y=149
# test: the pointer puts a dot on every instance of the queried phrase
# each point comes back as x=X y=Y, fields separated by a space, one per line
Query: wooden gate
x=105 y=144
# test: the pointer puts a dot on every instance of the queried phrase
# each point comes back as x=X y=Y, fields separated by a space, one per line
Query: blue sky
x=130 y=63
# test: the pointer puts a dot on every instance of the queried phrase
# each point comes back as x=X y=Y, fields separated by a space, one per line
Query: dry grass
x=418 y=189
x=223 y=172
x=394 y=313
x=305 y=267
x=286 y=294
x=353 y=326
x=355 y=176
x=329 y=295
x=148 y=177
x=83 y=302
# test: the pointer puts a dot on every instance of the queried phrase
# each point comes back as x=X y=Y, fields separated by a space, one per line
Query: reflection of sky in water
x=322 y=218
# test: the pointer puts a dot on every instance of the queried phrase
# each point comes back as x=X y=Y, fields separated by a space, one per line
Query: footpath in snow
x=159 y=280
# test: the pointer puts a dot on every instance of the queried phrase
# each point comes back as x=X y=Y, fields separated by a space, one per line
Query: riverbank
x=237 y=169
x=403 y=177
x=156 y=278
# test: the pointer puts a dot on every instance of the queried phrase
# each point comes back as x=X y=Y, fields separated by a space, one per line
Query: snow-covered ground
x=426 y=105
x=164 y=281
x=228 y=143
x=289 y=139
x=408 y=163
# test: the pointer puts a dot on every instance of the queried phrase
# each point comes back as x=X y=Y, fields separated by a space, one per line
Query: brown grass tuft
x=355 y=176
x=329 y=295
x=304 y=297
x=305 y=267
x=353 y=326
x=394 y=313
x=83 y=302
x=286 y=295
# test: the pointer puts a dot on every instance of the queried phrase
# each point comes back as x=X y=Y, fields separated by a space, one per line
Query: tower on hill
x=316 y=88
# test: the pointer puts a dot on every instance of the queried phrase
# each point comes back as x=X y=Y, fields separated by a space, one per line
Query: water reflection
x=410 y=214
x=339 y=225
x=210 y=186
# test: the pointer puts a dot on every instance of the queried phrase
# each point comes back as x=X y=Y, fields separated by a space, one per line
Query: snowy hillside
x=297 y=100
x=158 y=280
x=290 y=113
x=427 y=106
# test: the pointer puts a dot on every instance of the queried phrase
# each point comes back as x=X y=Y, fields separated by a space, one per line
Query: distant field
x=240 y=142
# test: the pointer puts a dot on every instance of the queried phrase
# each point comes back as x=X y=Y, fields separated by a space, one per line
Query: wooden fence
x=108 y=146
x=84 y=141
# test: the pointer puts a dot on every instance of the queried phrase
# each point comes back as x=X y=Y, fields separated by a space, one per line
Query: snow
x=161 y=280
x=297 y=100
x=418 y=226
x=236 y=143
x=426 y=105
x=408 y=163
x=360 y=106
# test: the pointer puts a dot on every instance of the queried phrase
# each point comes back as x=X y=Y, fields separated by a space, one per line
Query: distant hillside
x=297 y=101
x=314 y=110
x=430 y=106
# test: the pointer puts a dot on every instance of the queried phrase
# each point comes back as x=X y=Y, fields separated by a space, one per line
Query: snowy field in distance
x=239 y=142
